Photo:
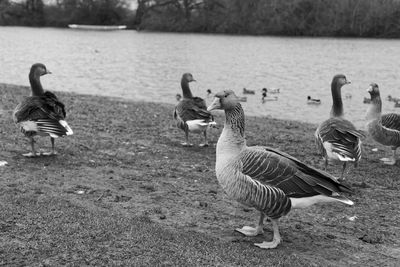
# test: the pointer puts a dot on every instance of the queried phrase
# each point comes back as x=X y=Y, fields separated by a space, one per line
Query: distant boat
x=97 y=27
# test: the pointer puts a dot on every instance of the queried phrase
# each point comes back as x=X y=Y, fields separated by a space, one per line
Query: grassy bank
x=123 y=192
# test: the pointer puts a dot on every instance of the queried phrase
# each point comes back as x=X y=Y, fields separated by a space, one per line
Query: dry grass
x=123 y=192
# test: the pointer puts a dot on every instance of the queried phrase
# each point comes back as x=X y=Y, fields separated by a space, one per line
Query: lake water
x=148 y=67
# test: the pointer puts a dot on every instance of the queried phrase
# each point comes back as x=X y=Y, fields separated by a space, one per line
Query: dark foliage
x=362 y=18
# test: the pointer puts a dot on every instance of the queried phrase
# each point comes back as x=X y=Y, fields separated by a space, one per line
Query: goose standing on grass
x=267 y=179
x=337 y=138
x=191 y=112
x=42 y=113
x=384 y=129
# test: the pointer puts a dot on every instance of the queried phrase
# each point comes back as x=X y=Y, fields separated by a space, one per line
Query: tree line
x=359 y=18
x=60 y=13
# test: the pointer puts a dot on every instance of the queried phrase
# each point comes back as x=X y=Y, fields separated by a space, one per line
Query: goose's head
x=226 y=100
x=188 y=77
x=39 y=69
x=340 y=80
x=373 y=90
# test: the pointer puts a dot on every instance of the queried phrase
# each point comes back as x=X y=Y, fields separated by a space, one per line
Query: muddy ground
x=122 y=191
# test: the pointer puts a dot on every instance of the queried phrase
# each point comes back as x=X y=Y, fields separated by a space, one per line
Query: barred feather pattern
x=270 y=200
x=385 y=130
x=342 y=135
x=235 y=118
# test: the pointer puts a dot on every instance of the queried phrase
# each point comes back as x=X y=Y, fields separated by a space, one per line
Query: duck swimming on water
x=313 y=101
x=248 y=91
x=41 y=113
x=267 y=179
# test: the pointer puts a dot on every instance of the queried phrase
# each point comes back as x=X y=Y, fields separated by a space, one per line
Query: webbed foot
x=250 y=231
x=388 y=161
x=185 y=144
x=52 y=153
x=31 y=154
x=268 y=245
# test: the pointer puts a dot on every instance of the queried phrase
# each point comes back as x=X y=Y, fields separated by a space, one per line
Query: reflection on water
x=148 y=67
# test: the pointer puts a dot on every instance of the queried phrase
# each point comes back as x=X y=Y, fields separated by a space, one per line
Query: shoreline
x=122 y=191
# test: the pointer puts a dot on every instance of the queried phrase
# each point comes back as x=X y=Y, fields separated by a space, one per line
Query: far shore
x=122 y=191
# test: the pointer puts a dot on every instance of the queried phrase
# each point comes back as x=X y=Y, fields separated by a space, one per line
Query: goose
x=191 y=113
x=397 y=104
x=248 y=91
x=41 y=113
x=384 y=129
x=178 y=97
x=337 y=138
x=313 y=101
x=267 y=179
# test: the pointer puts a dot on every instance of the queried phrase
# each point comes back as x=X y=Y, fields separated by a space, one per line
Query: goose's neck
x=186 y=89
x=375 y=109
x=232 y=139
x=337 y=106
x=36 y=86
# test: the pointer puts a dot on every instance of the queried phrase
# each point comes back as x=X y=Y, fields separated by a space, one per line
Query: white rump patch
x=305 y=202
x=199 y=125
x=29 y=126
x=333 y=155
x=66 y=126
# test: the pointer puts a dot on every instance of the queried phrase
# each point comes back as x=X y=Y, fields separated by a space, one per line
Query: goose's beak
x=48 y=72
x=216 y=104
x=348 y=82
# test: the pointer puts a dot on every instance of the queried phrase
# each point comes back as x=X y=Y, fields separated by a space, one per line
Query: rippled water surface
x=148 y=67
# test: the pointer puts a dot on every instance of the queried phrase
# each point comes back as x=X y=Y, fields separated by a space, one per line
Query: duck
x=392 y=99
x=265 y=178
x=366 y=100
x=384 y=129
x=313 y=101
x=42 y=113
x=397 y=104
x=248 y=92
x=337 y=139
x=178 y=97
x=272 y=90
x=265 y=97
x=348 y=96
x=191 y=113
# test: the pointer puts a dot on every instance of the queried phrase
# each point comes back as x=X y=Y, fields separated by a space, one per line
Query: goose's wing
x=200 y=102
x=39 y=107
x=296 y=179
x=391 y=121
x=47 y=113
x=386 y=130
x=342 y=135
x=187 y=109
